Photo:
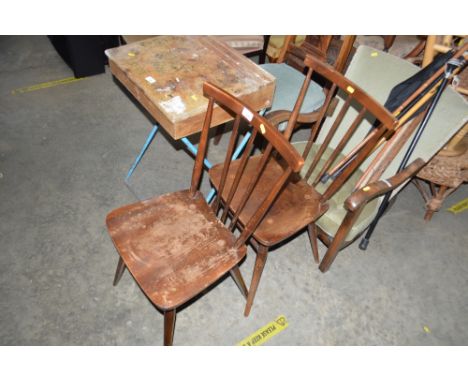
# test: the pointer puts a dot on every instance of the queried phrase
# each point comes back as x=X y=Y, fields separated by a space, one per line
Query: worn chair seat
x=288 y=83
x=297 y=205
x=173 y=262
x=332 y=219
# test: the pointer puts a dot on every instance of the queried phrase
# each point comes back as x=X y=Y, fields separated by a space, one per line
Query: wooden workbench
x=166 y=73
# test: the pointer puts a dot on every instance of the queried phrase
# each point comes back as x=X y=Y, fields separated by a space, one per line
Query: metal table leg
x=142 y=152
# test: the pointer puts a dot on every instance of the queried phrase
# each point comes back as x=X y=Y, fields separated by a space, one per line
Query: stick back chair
x=300 y=204
x=289 y=68
x=289 y=73
x=174 y=245
x=377 y=73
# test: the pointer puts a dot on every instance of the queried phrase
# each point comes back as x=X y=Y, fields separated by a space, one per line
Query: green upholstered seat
x=288 y=85
x=331 y=220
x=377 y=73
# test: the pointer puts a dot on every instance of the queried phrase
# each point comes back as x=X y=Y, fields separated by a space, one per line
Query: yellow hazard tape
x=265 y=333
x=45 y=85
x=459 y=207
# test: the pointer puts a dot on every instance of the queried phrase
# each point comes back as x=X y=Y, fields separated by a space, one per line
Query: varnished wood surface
x=179 y=65
x=362 y=196
x=297 y=205
x=173 y=245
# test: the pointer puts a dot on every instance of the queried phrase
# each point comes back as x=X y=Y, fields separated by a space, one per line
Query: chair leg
x=119 y=271
x=257 y=273
x=428 y=215
x=339 y=239
x=436 y=202
x=388 y=42
x=169 y=325
x=312 y=230
x=239 y=280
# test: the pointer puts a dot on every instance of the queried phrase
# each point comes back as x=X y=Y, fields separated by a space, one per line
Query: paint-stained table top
x=166 y=73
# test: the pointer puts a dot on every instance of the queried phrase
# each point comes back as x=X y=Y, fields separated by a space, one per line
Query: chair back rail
x=355 y=98
x=276 y=144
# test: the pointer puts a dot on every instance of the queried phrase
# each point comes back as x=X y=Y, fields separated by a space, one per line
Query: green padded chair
x=377 y=73
x=289 y=79
x=288 y=83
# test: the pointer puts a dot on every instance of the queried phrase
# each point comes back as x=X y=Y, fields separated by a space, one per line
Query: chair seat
x=173 y=245
x=288 y=85
x=297 y=205
x=332 y=219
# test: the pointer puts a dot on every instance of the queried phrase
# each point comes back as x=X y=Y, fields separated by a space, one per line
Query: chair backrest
x=377 y=73
x=322 y=157
x=326 y=48
x=261 y=130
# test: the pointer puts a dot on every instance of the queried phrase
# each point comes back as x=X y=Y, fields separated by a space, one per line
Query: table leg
x=142 y=152
x=194 y=151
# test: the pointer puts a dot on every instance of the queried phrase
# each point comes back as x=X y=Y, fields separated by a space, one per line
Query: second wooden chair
x=300 y=204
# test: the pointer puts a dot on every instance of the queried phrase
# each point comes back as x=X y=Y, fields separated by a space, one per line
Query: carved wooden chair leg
x=257 y=273
x=169 y=325
x=119 y=271
x=428 y=215
x=339 y=239
x=421 y=190
x=312 y=230
x=436 y=202
x=239 y=280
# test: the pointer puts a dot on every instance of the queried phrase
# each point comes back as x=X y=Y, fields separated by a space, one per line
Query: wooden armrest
x=365 y=194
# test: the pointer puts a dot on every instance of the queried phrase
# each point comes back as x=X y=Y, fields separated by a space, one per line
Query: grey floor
x=64 y=152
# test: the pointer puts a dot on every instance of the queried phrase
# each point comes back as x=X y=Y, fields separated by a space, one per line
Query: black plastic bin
x=84 y=54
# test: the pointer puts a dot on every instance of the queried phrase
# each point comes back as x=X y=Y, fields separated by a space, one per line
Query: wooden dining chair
x=174 y=245
x=377 y=73
x=289 y=68
x=289 y=73
x=304 y=200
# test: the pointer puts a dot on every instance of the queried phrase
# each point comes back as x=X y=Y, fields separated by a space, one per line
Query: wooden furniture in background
x=448 y=170
x=442 y=44
x=248 y=45
x=174 y=245
x=276 y=44
x=331 y=49
x=288 y=72
x=444 y=174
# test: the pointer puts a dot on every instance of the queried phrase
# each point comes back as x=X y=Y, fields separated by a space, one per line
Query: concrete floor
x=64 y=152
